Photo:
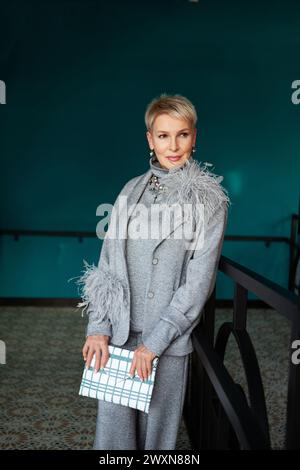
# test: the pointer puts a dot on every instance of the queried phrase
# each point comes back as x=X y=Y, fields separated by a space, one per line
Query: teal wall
x=79 y=75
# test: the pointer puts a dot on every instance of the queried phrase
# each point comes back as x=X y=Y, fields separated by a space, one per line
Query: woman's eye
x=183 y=133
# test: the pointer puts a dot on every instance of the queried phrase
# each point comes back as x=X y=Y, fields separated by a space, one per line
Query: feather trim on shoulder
x=195 y=184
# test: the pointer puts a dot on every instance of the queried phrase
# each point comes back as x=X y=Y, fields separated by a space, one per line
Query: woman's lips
x=173 y=159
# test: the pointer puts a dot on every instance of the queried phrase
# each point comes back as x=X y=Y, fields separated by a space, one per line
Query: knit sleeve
x=189 y=299
x=101 y=289
x=99 y=325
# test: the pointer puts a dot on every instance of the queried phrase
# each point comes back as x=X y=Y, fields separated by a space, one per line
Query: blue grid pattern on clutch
x=114 y=384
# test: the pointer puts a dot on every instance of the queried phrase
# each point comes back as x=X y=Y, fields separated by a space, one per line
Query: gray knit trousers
x=119 y=427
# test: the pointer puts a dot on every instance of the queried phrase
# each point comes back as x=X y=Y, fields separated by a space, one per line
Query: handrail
x=210 y=376
x=285 y=302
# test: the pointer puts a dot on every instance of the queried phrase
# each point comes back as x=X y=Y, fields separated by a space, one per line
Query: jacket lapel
x=133 y=197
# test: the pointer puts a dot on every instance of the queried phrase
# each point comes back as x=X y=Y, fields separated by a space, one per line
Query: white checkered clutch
x=114 y=383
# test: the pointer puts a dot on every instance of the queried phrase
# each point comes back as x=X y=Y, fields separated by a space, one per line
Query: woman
x=147 y=294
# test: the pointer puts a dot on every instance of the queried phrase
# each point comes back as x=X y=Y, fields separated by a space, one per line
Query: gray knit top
x=139 y=250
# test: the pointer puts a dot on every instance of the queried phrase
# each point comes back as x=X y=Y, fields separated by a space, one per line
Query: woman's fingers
x=148 y=369
x=89 y=358
x=136 y=365
x=143 y=369
x=97 y=360
x=104 y=356
x=140 y=368
x=91 y=353
x=142 y=365
x=133 y=366
x=85 y=350
x=96 y=345
x=101 y=358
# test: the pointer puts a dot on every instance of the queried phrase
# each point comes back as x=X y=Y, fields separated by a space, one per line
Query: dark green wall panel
x=79 y=75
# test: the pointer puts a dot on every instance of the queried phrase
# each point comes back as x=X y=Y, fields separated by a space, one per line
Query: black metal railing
x=216 y=411
x=293 y=241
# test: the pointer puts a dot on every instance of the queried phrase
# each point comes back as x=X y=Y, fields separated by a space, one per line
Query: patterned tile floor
x=39 y=403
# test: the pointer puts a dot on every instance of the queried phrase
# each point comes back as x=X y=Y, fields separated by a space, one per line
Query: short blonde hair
x=177 y=106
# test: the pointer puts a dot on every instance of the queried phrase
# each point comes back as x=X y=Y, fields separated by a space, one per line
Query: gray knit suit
x=157 y=288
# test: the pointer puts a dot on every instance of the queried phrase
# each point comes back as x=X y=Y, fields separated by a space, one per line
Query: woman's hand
x=142 y=362
x=97 y=344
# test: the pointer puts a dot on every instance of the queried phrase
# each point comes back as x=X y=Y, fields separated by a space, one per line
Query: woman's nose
x=174 y=145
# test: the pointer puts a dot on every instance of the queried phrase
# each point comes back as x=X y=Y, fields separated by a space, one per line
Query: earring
x=194 y=150
x=153 y=156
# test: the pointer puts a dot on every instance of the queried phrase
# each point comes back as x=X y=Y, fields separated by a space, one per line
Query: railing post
x=207 y=388
x=198 y=406
x=292 y=440
x=209 y=318
x=240 y=307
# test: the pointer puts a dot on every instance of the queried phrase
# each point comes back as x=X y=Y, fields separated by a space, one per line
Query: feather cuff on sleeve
x=103 y=294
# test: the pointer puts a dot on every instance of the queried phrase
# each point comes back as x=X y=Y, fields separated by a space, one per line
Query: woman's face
x=171 y=137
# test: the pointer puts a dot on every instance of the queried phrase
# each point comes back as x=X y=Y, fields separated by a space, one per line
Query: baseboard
x=72 y=302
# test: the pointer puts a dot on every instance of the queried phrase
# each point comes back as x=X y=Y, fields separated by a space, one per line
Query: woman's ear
x=149 y=138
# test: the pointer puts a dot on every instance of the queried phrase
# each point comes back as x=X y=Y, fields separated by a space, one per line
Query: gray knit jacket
x=158 y=287
x=139 y=251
